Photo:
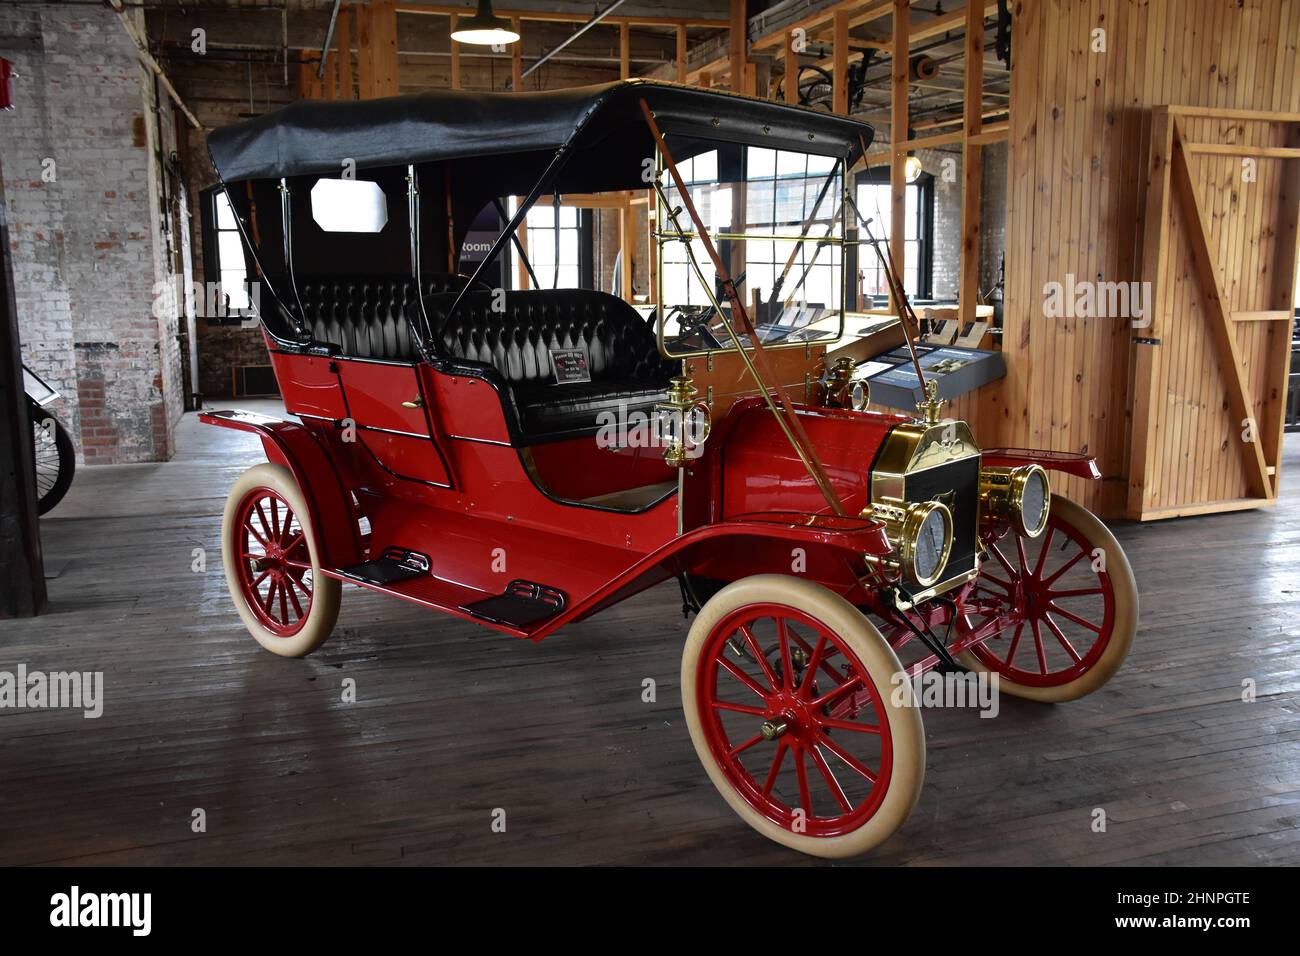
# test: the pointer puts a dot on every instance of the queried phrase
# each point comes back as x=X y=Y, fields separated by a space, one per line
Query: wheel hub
x=272 y=560
x=791 y=719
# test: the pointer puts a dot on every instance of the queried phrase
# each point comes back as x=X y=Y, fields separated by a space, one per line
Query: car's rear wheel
x=270 y=554
x=1071 y=601
x=793 y=703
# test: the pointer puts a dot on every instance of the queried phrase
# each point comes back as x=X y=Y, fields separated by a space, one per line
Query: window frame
x=925 y=198
x=734 y=168
x=586 y=247
x=211 y=233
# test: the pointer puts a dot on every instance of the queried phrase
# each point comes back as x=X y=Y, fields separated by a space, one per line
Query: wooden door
x=1219 y=254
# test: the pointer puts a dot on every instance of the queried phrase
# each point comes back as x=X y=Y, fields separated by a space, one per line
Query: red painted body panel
x=375 y=391
x=309 y=385
x=409 y=457
x=497 y=487
x=469 y=407
x=369 y=394
x=761 y=472
x=578 y=468
x=468 y=578
x=840 y=544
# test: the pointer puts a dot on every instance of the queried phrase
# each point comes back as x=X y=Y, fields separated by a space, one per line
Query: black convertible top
x=313 y=137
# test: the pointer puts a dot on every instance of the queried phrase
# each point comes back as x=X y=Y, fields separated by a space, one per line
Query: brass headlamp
x=920 y=533
x=1020 y=498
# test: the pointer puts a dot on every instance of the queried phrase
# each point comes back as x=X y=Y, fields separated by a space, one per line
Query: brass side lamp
x=682 y=422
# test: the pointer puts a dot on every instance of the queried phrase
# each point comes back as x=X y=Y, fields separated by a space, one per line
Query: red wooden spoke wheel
x=788 y=693
x=271 y=564
x=769 y=705
x=1069 y=603
x=275 y=570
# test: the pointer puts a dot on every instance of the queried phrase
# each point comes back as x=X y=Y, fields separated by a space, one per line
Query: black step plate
x=396 y=564
x=524 y=603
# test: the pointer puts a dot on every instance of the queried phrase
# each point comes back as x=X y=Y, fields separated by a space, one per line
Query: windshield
x=776 y=219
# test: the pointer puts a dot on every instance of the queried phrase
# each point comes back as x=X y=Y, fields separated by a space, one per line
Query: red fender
x=328 y=499
x=1070 y=463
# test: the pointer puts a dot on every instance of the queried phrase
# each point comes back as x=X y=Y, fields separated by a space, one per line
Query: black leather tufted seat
x=366 y=315
x=622 y=356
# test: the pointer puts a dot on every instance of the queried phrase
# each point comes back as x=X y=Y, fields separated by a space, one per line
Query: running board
x=458 y=600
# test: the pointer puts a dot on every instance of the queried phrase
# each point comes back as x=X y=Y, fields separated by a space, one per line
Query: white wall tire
x=809 y=611
x=270 y=556
x=1115 y=612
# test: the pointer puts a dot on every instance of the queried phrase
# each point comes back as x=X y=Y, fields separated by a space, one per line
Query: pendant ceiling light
x=485 y=28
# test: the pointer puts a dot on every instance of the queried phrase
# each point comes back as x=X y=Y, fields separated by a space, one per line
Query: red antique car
x=504 y=449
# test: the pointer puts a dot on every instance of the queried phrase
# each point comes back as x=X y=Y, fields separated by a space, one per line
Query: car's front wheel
x=270 y=554
x=1070 y=606
x=796 y=709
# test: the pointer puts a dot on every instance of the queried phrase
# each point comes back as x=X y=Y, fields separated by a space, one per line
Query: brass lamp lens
x=930 y=543
x=1035 y=501
x=926 y=541
x=1017 y=498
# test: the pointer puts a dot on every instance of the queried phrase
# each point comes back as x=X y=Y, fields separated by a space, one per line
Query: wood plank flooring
x=453 y=721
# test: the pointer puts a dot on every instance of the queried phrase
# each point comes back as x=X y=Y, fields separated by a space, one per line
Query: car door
x=394 y=424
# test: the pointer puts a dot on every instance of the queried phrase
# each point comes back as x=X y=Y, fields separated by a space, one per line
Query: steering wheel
x=693 y=322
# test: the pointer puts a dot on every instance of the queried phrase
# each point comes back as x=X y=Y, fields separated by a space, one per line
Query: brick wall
x=993 y=224
x=947 y=216
x=945 y=166
x=80 y=183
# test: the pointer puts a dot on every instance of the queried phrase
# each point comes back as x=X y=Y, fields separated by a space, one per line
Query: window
x=225 y=253
x=542 y=252
x=873 y=199
x=348 y=205
x=569 y=267
x=782 y=190
x=713 y=201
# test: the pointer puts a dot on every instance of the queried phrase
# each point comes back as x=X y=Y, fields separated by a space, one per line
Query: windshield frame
x=662 y=232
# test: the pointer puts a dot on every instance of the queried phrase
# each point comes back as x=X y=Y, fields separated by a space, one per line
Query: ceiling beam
x=559 y=17
x=822 y=21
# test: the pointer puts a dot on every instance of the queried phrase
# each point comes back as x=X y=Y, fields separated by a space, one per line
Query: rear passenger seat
x=366 y=315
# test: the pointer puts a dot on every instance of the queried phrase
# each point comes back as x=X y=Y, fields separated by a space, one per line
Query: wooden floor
x=453 y=721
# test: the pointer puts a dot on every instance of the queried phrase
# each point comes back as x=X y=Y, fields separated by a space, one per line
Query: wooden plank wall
x=1081 y=129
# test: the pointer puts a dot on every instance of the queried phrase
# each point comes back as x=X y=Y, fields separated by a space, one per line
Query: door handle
x=413 y=403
